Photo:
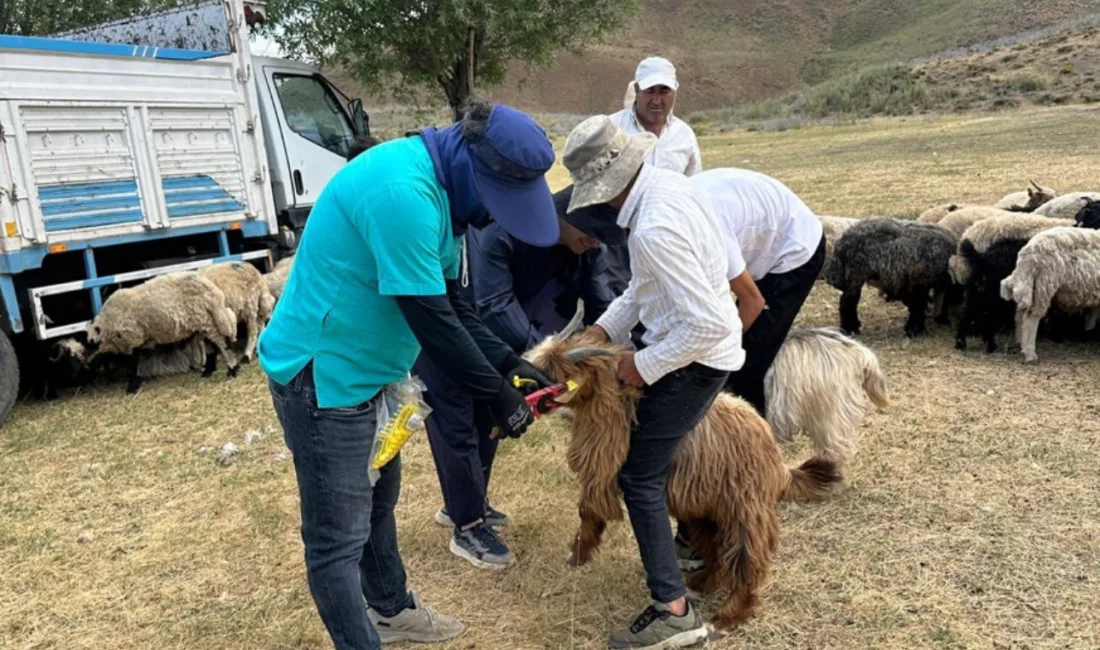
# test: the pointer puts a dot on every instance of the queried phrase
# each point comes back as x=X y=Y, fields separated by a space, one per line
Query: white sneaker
x=419 y=624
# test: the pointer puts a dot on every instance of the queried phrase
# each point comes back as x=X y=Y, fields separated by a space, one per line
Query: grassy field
x=970 y=519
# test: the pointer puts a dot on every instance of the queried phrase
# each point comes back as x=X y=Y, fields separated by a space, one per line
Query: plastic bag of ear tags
x=401 y=413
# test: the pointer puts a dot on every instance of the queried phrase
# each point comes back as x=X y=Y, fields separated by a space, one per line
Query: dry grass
x=971 y=518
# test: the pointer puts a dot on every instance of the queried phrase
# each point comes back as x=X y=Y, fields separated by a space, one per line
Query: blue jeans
x=668 y=410
x=348 y=528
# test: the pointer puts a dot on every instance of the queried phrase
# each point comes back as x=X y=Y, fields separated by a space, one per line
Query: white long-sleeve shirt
x=676 y=150
x=768 y=228
x=678 y=287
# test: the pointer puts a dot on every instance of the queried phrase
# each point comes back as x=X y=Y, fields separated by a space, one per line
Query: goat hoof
x=960 y=344
x=990 y=348
x=233 y=371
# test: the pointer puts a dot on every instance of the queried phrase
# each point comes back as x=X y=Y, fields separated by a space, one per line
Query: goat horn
x=575 y=324
x=1036 y=185
x=577 y=355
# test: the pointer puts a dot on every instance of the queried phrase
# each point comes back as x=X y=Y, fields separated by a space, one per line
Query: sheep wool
x=935 y=214
x=246 y=294
x=821 y=384
x=985 y=233
x=957 y=222
x=277 y=278
x=1068 y=205
x=1058 y=266
x=165 y=309
x=903 y=259
x=1027 y=200
x=834 y=228
x=726 y=479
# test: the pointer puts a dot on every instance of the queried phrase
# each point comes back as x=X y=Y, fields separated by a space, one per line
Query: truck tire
x=9 y=377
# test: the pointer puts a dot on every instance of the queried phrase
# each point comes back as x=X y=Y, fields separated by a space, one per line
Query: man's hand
x=628 y=372
x=525 y=370
x=598 y=332
x=510 y=412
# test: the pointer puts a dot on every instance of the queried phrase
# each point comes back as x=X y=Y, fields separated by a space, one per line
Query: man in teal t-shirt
x=373 y=283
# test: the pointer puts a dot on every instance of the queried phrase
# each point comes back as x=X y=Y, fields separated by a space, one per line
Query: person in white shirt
x=648 y=108
x=775 y=248
x=680 y=293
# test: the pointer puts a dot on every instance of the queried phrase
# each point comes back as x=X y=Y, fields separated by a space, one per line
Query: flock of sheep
x=1034 y=255
x=171 y=324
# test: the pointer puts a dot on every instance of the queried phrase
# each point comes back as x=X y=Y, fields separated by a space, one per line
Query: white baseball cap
x=656 y=71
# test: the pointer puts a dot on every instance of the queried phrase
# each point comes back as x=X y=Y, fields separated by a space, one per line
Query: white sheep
x=167 y=309
x=1059 y=266
x=1068 y=205
x=987 y=232
x=246 y=294
x=277 y=278
x=958 y=221
x=936 y=213
x=1028 y=200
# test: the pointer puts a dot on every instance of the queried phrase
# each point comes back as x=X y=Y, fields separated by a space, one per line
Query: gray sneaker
x=656 y=628
x=686 y=556
x=493 y=517
x=482 y=547
x=419 y=624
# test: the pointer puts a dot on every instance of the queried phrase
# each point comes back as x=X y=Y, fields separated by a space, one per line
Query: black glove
x=510 y=412
x=522 y=369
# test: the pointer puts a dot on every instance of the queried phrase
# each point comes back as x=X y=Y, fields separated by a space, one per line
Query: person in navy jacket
x=522 y=293
x=525 y=293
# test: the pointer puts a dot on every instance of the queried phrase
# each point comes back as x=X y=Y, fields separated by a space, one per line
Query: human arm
x=680 y=278
x=621 y=316
x=490 y=253
x=695 y=163
x=596 y=291
x=750 y=302
x=411 y=268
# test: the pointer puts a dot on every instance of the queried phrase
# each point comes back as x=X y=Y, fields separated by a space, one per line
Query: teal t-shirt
x=380 y=228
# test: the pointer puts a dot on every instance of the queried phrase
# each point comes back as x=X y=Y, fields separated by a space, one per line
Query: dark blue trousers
x=458 y=433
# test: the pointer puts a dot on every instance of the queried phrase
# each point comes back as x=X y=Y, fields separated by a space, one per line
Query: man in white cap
x=647 y=107
x=680 y=293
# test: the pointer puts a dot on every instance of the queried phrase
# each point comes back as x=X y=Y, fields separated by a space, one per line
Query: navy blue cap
x=511 y=158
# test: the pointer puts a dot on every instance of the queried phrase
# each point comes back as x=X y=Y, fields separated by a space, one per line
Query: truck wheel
x=9 y=377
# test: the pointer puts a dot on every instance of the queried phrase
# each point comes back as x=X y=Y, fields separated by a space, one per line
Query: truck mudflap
x=43 y=328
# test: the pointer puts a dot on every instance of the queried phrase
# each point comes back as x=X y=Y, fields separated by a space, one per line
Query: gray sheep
x=904 y=259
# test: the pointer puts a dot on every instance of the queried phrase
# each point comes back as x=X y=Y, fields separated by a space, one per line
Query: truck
x=146 y=146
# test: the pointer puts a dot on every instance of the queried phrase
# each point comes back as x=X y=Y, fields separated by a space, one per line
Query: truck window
x=314 y=113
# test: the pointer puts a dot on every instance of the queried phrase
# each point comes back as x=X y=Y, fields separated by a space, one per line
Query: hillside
x=733 y=52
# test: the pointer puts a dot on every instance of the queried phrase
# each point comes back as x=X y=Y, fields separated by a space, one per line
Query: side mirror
x=360 y=123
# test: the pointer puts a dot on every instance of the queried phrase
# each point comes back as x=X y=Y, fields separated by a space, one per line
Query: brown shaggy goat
x=725 y=481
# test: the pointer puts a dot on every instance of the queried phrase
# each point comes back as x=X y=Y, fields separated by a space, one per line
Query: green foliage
x=1026 y=83
x=405 y=44
x=39 y=18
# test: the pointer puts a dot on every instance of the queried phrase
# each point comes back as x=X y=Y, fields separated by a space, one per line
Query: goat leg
x=588 y=538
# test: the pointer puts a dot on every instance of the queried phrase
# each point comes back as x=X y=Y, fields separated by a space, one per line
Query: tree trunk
x=458 y=87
